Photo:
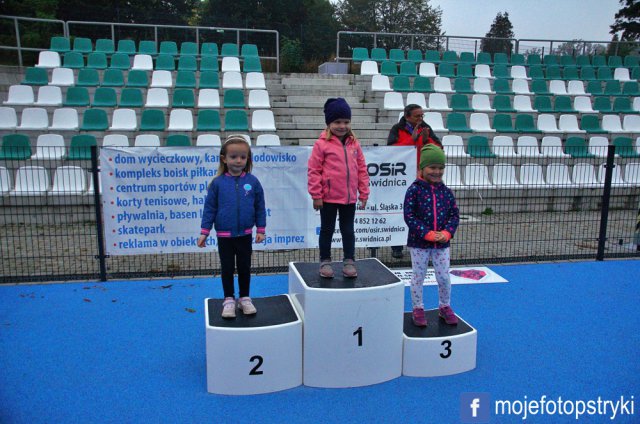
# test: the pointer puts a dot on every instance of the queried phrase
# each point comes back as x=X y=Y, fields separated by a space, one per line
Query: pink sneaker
x=419 y=319
x=349 y=268
x=229 y=307
x=246 y=306
x=326 y=271
x=446 y=313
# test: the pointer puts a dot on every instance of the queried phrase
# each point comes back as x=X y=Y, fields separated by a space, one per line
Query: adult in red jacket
x=411 y=130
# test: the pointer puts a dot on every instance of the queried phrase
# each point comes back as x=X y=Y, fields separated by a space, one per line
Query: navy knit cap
x=336 y=109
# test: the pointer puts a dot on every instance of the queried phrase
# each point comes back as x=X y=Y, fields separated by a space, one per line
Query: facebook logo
x=474 y=407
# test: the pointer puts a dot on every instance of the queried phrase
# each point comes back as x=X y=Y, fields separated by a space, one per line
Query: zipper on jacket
x=237 y=207
x=435 y=213
x=346 y=160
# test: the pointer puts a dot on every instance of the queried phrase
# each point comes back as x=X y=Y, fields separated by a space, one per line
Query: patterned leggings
x=419 y=263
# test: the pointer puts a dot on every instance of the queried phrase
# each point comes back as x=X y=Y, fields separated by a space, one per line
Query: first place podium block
x=352 y=326
x=438 y=349
x=254 y=354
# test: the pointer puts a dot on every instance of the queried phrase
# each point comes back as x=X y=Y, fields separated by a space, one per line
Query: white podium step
x=254 y=354
x=352 y=326
x=438 y=349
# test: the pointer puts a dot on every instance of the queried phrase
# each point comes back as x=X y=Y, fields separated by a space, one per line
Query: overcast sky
x=538 y=19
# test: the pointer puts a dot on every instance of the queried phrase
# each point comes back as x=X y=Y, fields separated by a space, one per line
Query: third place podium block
x=352 y=326
x=438 y=349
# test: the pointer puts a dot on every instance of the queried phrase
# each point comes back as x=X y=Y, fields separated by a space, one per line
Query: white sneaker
x=229 y=307
x=245 y=304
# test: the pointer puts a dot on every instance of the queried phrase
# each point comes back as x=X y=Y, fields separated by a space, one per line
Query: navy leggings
x=235 y=251
x=328 y=214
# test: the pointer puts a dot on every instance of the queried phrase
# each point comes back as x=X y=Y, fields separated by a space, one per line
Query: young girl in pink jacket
x=337 y=179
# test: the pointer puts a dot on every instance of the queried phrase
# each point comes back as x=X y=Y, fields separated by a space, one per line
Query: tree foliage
x=578 y=47
x=627 y=20
x=494 y=41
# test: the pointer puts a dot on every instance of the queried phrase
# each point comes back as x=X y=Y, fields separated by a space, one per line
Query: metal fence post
x=606 y=197
x=98 y=208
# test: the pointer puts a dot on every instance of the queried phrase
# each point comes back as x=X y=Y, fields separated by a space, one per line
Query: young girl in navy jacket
x=234 y=205
x=432 y=216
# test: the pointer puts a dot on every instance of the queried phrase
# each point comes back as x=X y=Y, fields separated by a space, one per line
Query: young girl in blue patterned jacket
x=234 y=204
x=432 y=216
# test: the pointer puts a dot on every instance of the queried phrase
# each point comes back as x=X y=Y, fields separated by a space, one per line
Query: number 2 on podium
x=358 y=333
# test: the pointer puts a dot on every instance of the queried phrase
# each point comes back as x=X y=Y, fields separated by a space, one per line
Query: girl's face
x=340 y=127
x=433 y=173
x=236 y=158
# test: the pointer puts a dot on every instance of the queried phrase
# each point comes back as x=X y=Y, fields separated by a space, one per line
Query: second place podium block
x=352 y=326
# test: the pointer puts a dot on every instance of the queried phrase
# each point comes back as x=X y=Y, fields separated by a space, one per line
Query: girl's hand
x=317 y=204
x=362 y=204
x=202 y=240
x=260 y=237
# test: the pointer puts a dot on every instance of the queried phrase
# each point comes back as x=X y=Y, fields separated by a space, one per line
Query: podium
x=352 y=326
x=254 y=354
x=438 y=349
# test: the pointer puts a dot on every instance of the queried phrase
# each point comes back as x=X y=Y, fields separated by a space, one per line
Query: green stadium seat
x=501 y=71
x=622 y=105
x=446 y=69
x=422 y=85
x=359 y=54
x=97 y=60
x=536 y=72
x=113 y=78
x=578 y=147
x=209 y=63
x=408 y=69
x=137 y=78
x=550 y=60
x=208 y=120
x=77 y=96
x=397 y=55
x=186 y=79
x=188 y=48
x=432 y=56
x=542 y=104
x=501 y=86
x=467 y=57
x=598 y=61
x=94 y=120
x=484 y=58
x=187 y=63
x=60 y=44
x=82 y=45
x=525 y=124
x=169 y=47
x=566 y=60
x=178 y=140
x=465 y=71
x=127 y=47
x=570 y=73
x=389 y=68
x=594 y=88
x=401 y=83
x=500 y=59
x=539 y=87
x=209 y=50
x=251 y=64
x=147 y=47
x=415 y=55
x=80 y=147
x=603 y=104
x=35 y=76
x=590 y=124
x=612 y=88
x=378 y=54
x=563 y=104
x=73 y=60
x=165 y=62
x=553 y=72
x=120 y=61
x=502 y=103
x=635 y=73
x=152 y=120
x=105 y=97
x=518 y=60
x=105 y=45
x=462 y=86
x=229 y=49
x=604 y=73
x=209 y=79
x=450 y=56
x=183 y=98
x=625 y=148
x=583 y=60
x=236 y=120
x=478 y=147
x=534 y=59
x=15 y=147
x=234 y=99
x=502 y=123
x=460 y=103
x=630 y=88
x=88 y=78
x=614 y=62
x=131 y=97
x=631 y=61
x=588 y=73
x=457 y=122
